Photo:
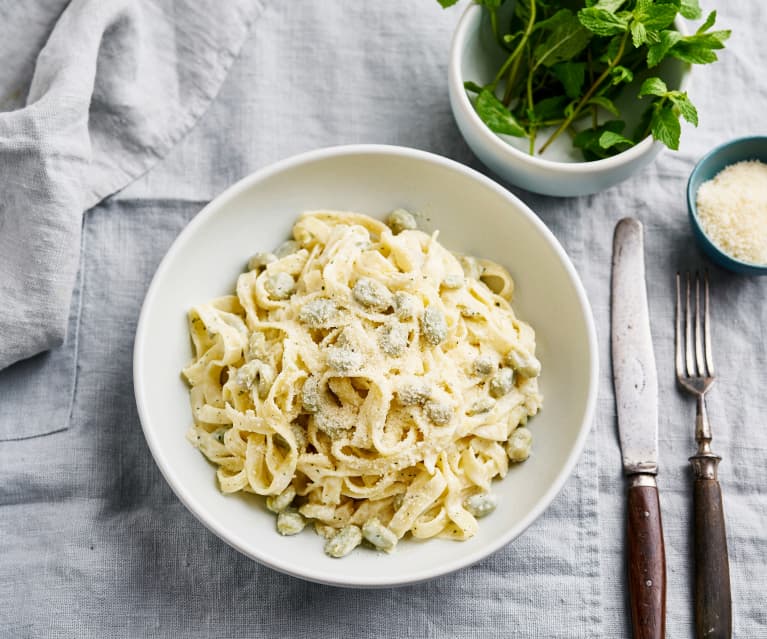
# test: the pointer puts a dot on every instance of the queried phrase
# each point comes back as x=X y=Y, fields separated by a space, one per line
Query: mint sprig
x=665 y=111
x=567 y=63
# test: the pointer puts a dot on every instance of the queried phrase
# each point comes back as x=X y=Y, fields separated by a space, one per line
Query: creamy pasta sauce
x=366 y=380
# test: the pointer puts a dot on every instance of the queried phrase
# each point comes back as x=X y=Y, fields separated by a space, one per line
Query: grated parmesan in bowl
x=727 y=204
x=732 y=210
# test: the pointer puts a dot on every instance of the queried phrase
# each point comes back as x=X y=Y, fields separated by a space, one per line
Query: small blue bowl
x=751 y=148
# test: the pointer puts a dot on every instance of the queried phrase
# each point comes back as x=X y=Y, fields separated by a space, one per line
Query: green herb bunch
x=568 y=60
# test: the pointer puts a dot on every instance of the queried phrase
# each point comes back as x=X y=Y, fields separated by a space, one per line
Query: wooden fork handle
x=713 y=603
x=646 y=560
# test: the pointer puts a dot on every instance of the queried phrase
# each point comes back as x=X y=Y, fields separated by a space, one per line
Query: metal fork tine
x=707 y=330
x=712 y=588
x=688 y=333
x=698 y=331
x=678 y=333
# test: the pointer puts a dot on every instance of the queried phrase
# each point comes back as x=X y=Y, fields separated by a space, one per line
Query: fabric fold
x=115 y=86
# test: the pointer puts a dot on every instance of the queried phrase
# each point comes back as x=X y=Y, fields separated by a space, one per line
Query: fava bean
x=401 y=220
x=290 y=522
x=344 y=541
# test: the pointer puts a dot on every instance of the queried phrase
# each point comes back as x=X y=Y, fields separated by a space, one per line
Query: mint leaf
x=549 y=109
x=698 y=48
x=655 y=16
x=712 y=39
x=496 y=116
x=564 y=41
x=686 y=108
x=605 y=103
x=571 y=75
x=561 y=16
x=653 y=86
x=608 y=5
x=609 y=139
x=588 y=140
x=616 y=126
x=447 y=3
x=638 y=34
x=690 y=9
x=665 y=127
x=708 y=23
x=657 y=51
x=621 y=74
x=692 y=53
x=602 y=22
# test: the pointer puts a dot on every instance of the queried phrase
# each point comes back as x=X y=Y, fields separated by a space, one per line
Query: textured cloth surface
x=94 y=544
x=116 y=84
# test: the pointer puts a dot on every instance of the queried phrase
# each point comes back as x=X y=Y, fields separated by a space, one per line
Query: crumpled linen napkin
x=116 y=85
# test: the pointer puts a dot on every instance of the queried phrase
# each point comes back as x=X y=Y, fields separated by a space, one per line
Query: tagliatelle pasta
x=366 y=379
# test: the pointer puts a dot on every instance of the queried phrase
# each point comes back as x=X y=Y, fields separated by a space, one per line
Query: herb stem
x=515 y=58
x=648 y=129
x=551 y=122
x=594 y=120
x=554 y=122
x=511 y=81
x=530 y=101
x=494 y=26
x=589 y=94
x=531 y=105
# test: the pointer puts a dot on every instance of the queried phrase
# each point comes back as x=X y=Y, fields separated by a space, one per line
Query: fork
x=695 y=374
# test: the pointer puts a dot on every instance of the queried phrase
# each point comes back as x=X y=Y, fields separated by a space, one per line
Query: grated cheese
x=732 y=208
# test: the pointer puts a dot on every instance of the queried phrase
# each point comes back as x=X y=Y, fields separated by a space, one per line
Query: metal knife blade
x=636 y=396
x=634 y=374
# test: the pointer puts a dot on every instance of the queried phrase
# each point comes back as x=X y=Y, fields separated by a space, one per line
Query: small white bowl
x=560 y=170
x=475 y=216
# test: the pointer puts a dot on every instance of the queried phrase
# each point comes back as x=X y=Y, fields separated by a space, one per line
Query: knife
x=635 y=381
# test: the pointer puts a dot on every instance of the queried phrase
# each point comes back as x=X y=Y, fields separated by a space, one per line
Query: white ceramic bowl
x=560 y=170
x=475 y=216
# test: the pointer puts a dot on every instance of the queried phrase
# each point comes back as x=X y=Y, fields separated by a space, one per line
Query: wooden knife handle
x=713 y=603
x=646 y=560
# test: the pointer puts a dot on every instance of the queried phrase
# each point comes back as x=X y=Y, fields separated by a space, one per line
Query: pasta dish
x=365 y=380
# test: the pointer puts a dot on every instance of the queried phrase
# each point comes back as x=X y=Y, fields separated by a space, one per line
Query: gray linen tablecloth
x=116 y=84
x=94 y=544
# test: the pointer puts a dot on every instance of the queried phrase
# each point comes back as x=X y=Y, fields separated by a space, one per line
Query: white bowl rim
x=172 y=476
x=455 y=79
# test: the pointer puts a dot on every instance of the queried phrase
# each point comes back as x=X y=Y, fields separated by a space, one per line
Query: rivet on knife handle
x=646 y=559
x=636 y=394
